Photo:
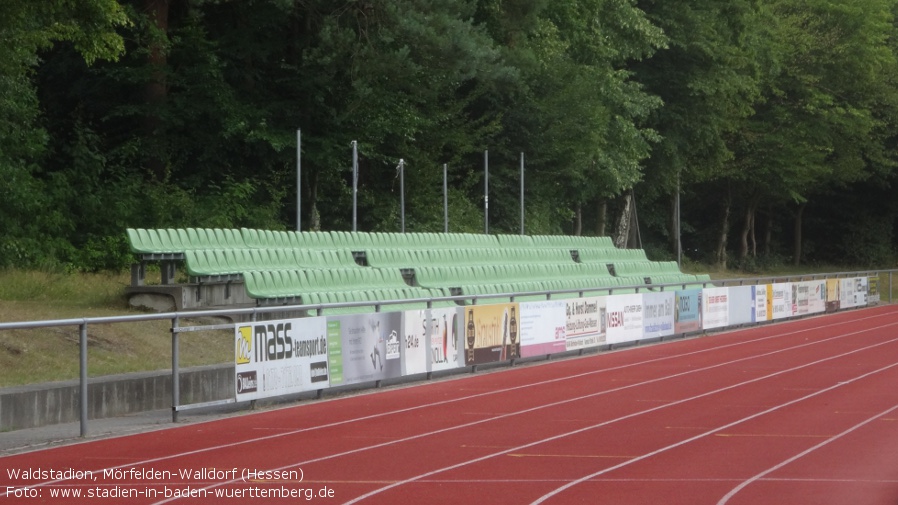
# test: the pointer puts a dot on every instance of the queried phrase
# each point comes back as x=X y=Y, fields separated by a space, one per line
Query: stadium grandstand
x=250 y=267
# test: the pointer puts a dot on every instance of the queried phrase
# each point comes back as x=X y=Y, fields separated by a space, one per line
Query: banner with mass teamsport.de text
x=274 y=358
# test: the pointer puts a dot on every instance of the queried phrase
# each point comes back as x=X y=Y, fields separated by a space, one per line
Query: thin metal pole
x=522 y=192
x=355 y=184
x=298 y=180
x=890 y=287
x=175 y=369
x=679 y=242
x=83 y=352
x=486 y=192
x=402 y=191
x=445 y=198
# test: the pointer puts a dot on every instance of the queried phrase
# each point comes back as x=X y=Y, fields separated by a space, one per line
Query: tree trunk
x=601 y=216
x=156 y=89
x=623 y=226
x=315 y=220
x=797 y=244
x=747 y=232
x=752 y=239
x=578 y=221
x=768 y=233
x=721 y=255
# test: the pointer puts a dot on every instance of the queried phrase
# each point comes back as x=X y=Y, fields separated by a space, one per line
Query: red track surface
x=804 y=412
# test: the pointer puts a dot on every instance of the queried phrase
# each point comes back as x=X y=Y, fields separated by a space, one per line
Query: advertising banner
x=800 y=297
x=624 y=318
x=781 y=300
x=491 y=333
x=873 y=290
x=585 y=325
x=280 y=357
x=816 y=296
x=852 y=292
x=716 y=307
x=832 y=295
x=688 y=310
x=760 y=312
x=861 y=292
x=542 y=327
x=741 y=305
x=439 y=350
x=658 y=314
x=364 y=347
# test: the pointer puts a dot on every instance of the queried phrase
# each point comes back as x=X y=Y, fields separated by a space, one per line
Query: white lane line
x=709 y=432
x=774 y=468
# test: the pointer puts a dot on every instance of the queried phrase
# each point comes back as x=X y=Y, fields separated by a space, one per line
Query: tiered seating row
x=411 y=258
x=609 y=254
x=217 y=262
x=334 y=285
x=555 y=241
x=174 y=241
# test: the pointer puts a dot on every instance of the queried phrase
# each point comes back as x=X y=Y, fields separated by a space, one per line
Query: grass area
x=50 y=354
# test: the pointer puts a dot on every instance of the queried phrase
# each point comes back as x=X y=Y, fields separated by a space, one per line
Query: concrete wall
x=172 y=297
x=42 y=404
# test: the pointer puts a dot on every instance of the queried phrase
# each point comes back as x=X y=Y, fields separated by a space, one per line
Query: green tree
x=576 y=108
x=827 y=98
x=708 y=78
x=27 y=29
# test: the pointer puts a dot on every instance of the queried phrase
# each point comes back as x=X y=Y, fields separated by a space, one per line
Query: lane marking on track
x=802 y=454
x=824 y=324
x=587 y=456
x=726 y=426
x=768 y=435
x=622 y=418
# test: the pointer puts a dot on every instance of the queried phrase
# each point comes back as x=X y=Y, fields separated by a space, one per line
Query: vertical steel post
x=175 y=369
x=445 y=198
x=83 y=382
x=402 y=192
x=355 y=184
x=486 y=192
x=298 y=180
x=522 y=192
x=679 y=243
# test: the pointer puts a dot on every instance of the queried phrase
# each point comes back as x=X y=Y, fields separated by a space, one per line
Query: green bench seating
x=321 y=267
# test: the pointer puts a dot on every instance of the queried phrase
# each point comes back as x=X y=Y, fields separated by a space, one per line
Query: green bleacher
x=314 y=268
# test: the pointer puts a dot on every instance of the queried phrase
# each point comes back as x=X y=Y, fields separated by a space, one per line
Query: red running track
x=804 y=412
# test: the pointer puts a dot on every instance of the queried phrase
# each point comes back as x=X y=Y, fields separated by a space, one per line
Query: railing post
x=428 y=337
x=175 y=371
x=83 y=353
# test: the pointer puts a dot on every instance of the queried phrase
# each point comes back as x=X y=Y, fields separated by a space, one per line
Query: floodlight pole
x=486 y=192
x=402 y=192
x=355 y=184
x=298 y=180
x=679 y=243
x=445 y=198
x=522 y=192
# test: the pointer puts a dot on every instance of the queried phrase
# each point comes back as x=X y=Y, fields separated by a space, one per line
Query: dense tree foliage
x=774 y=121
